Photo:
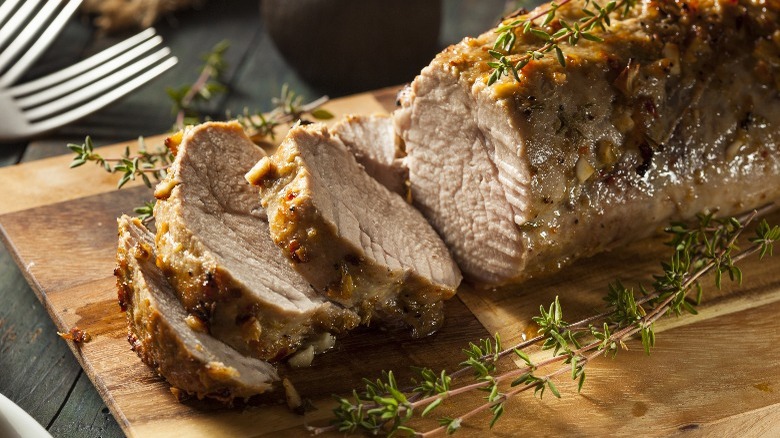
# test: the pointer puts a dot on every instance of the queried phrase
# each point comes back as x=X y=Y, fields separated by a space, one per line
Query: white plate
x=21 y=423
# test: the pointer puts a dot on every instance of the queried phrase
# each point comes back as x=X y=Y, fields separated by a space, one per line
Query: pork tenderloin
x=675 y=112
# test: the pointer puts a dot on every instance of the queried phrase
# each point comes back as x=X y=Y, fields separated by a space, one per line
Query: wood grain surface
x=712 y=374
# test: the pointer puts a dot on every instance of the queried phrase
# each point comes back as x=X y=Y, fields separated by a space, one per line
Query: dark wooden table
x=37 y=370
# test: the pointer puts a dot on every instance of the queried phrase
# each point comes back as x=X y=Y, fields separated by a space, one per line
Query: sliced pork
x=675 y=112
x=351 y=238
x=214 y=245
x=170 y=341
x=373 y=142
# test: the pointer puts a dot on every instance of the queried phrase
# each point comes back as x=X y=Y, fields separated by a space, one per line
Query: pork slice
x=373 y=142
x=167 y=339
x=675 y=112
x=454 y=180
x=351 y=238
x=214 y=245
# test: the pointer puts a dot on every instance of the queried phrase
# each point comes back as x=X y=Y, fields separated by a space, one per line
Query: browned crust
x=153 y=339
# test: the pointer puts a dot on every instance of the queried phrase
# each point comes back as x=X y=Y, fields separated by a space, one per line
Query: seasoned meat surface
x=167 y=339
x=214 y=245
x=675 y=112
x=351 y=238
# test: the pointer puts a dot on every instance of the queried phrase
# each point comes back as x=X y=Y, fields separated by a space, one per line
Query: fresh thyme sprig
x=142 y=164
x=595 y=17
x=206 y=87
x=152 y=165
x=710 y=246
x=288 y=108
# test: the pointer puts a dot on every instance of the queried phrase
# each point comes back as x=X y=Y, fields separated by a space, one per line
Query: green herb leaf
x=553 y=389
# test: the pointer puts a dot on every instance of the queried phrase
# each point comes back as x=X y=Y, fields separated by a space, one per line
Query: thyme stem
x=288 y=108
x=206 y=86
x=205 y=75
x=503 y=398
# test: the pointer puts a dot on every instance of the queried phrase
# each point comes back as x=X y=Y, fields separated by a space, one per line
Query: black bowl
x=347 y=46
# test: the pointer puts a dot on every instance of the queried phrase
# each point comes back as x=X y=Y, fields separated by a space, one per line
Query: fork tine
x=16 y=20
x=46 y=38
x=90 y=76
x=105 y=99
x=95 y=88
x=6 y=8
x=81 y=67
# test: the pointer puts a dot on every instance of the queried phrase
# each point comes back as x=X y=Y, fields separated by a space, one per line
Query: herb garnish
x=207 y=86
x=594 y=17
x=287 y=108
x=142 y=164
x=710 y=246
x=152 y=166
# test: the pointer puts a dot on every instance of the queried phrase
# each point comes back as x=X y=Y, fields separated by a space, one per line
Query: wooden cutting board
x=716 y=373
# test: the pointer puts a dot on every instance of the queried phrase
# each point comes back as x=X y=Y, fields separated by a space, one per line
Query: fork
x=83 y=88
x=24 y=43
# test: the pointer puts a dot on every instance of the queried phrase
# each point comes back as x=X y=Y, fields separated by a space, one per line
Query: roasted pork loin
x=355 y=241
x=675 y=112
x=167 y=339
x=214 y=245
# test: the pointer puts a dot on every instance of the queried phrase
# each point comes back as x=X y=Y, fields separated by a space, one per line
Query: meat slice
x=361 y=245
x=676 y=111
x=213 y=243
x=170 y=341
x=373 y=142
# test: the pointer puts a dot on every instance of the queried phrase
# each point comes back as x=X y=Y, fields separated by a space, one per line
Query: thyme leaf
x=145 y=212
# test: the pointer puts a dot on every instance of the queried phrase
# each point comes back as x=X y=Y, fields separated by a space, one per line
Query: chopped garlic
x=672 y=53
x=606 y=152
x=584 y=169
x=325 y=342
x=624 y=122
x=259 y=171
x=164 y=188
x=195 y=323
x=302 y=358
x=734 y=148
